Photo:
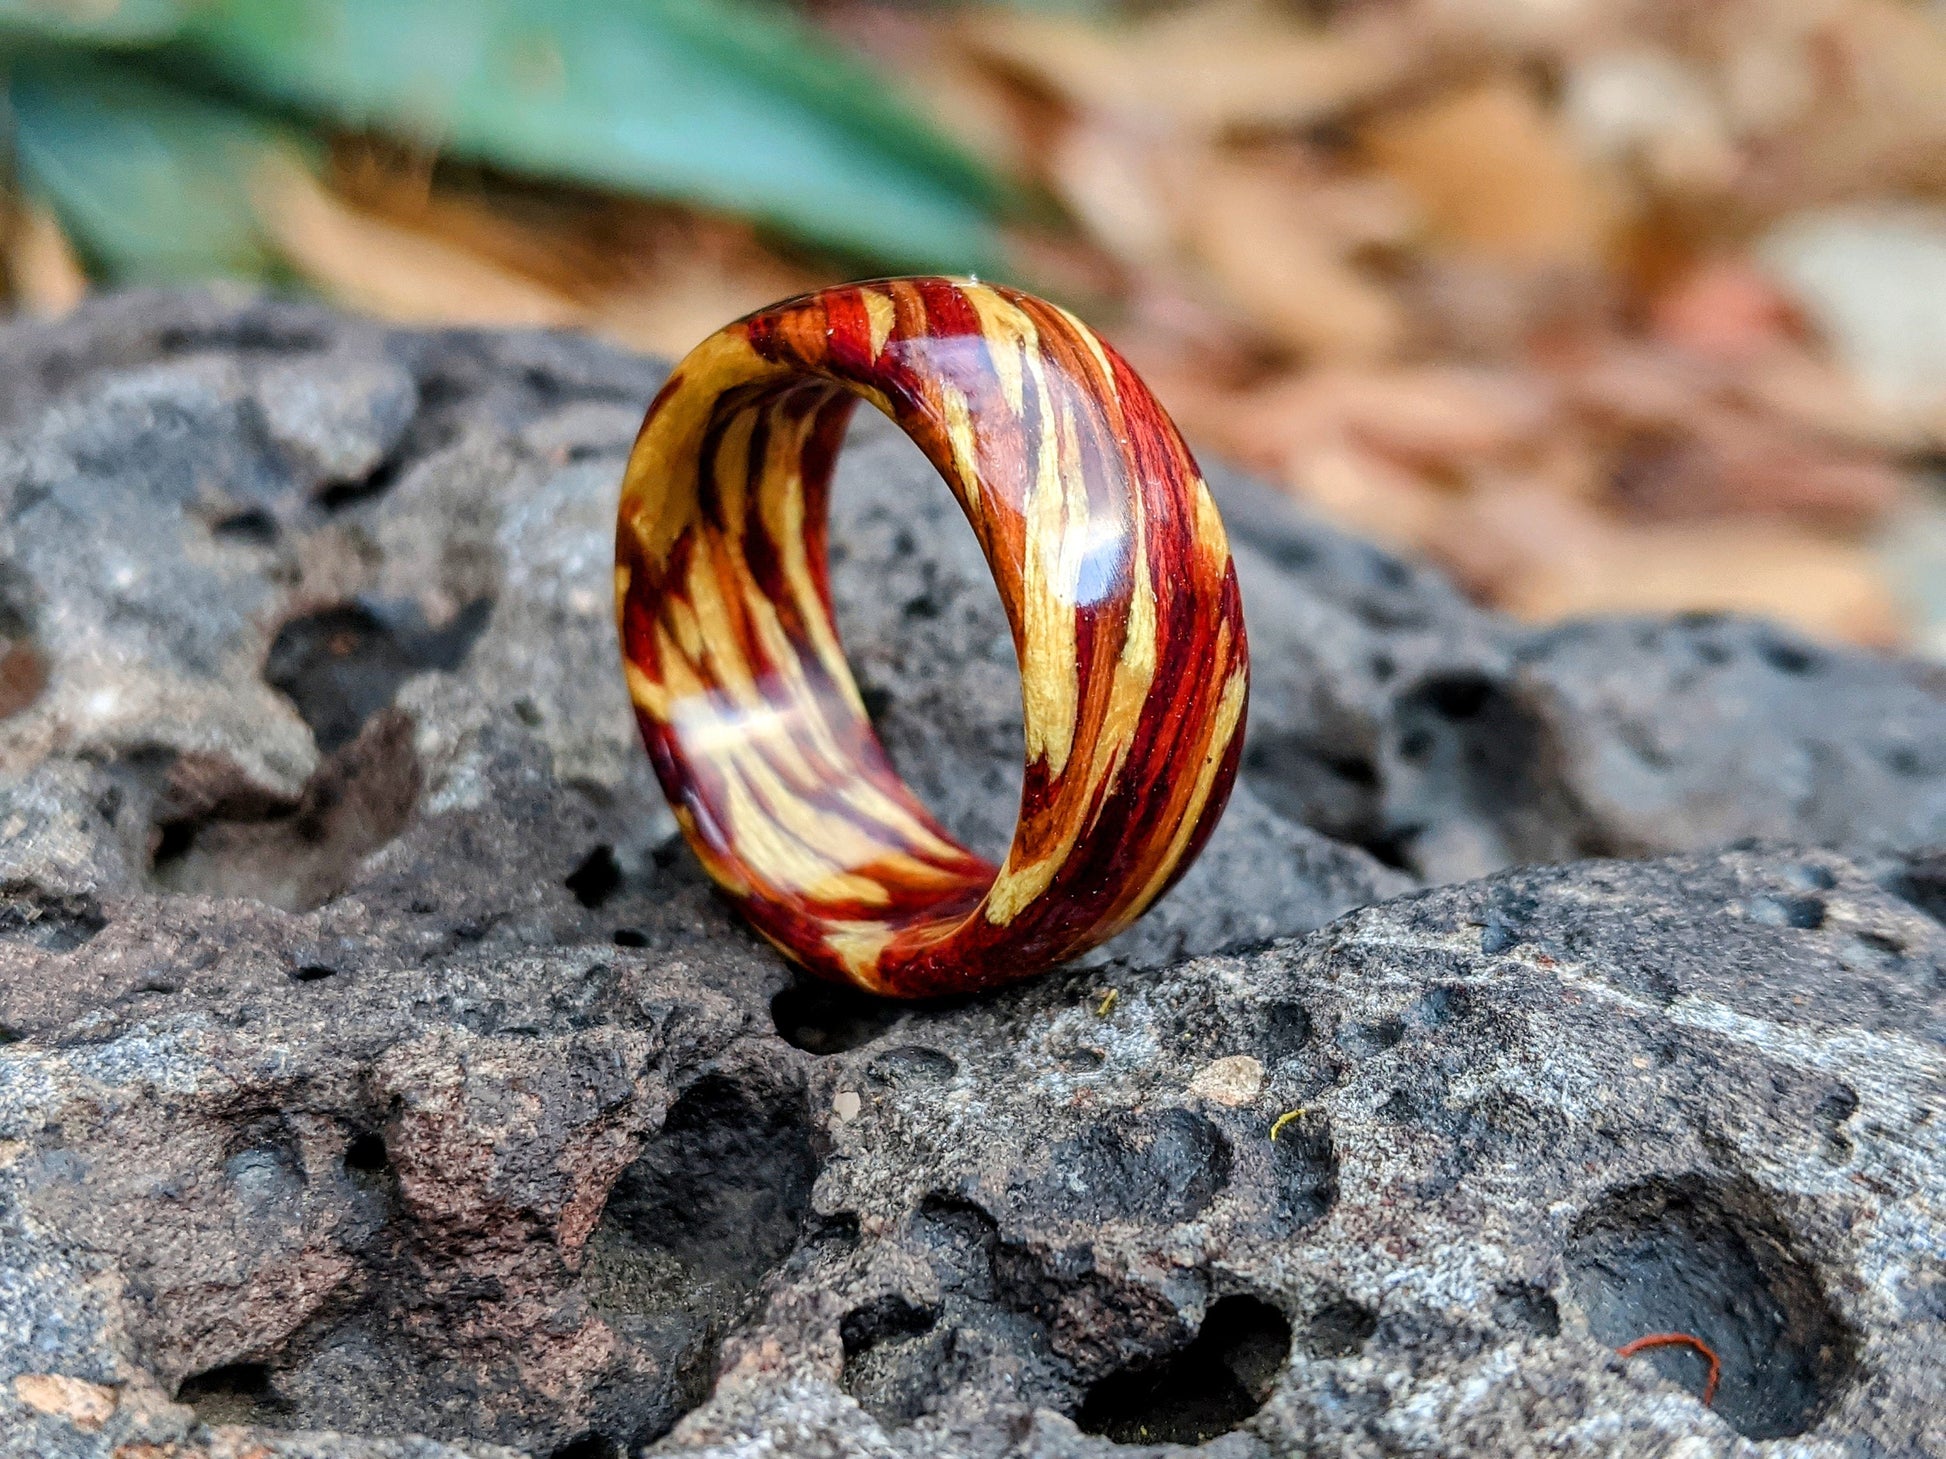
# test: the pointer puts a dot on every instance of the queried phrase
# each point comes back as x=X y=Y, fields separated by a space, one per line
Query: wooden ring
x=1112 y=564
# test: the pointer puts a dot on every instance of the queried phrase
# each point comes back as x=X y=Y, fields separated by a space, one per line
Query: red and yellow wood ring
x=1112 y=564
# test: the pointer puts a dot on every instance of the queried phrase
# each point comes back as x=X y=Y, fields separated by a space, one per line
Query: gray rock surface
x=381 y=1079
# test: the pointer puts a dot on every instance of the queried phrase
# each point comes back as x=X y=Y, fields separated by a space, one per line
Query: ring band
x=1112 y=565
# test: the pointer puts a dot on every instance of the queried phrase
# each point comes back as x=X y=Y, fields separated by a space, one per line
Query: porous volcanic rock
x=381 y=1078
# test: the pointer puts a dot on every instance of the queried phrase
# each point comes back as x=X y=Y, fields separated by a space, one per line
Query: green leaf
x=771 y=47
x=94 y=22
x=151 y=182
x=714 y=102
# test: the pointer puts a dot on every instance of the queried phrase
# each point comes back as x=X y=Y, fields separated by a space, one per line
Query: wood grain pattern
x=1112 y=565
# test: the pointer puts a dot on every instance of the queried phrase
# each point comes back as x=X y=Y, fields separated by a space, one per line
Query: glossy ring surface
x=1112 y=564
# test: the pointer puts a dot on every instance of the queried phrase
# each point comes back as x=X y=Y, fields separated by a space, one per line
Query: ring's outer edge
x=1112 y=563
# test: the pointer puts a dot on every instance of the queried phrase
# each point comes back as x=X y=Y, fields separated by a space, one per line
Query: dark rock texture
x=381 y=1079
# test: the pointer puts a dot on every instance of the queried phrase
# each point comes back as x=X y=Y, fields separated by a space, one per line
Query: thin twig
x=1684 y=1340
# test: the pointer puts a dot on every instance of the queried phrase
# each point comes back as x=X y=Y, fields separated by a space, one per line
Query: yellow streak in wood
x=1093 y=341
x=681 y=618
x=726 y=872
x=1229 y=709
x=781 y=508
x=1011 y=339
x=793 y=705
x=877 y=399
x=868 y=800
x=1055 y=512
x=1208 y=529
x=622 y=579
x=720 y=638
x=858 y=947
x=965 y=446
x=847 y=842
x=883 y=314
x=732 y=469
x=681 y=679
x=649 y=697
x=1134 y=677
x=659 y=486
x=762 y=842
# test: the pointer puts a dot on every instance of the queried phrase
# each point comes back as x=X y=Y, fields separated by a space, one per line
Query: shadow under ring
x=1111 y=563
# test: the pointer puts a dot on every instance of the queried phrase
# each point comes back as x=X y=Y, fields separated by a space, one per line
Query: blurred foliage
x=1603 y=305
x=729 y=105
x=152 y=181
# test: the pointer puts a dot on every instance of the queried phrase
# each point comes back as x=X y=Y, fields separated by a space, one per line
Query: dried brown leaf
x=45 y=273
x=1249 y=227
x=1496 y=177
x=394 y=271
x=1543 y=557
x=1205 y=67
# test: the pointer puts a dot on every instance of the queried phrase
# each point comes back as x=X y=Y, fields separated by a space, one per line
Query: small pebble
x=1234 y=1081
x=845 y=1106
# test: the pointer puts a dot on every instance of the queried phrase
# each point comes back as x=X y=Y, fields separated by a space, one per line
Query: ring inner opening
x=925 y=634
x=787 y=776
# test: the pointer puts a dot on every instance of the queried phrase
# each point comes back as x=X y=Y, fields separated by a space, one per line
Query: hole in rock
x=253 y=526
x=1524 y=1307
x=877 y=702
x=989 y=1329
x=340 y=496
x=236 y=1393
x=313 y=973
x=892 y=1315
x=298 y=856
x=596 y=879
x=1786 y=657
x=342 y=665
x=1206 y=1389
x=1921 y=883
x=910 y=1066
x=1305 y=1163
x=1710 y=1260
x=59 y=924
x=1393 y=847
x=1472 y=785
x=365 y=1155
x=1340 y=1328
x=823 y=1018
x=1803 y=913
x=1362 y=1040
x=1287 y=1029
x=1165 y=1167
x=631 y=937
x=716 y=1200
x=1327 y=788
x=589 y=1446
x=1459 y=696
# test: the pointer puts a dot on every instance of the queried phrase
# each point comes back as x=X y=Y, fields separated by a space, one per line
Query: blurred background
x=1604 y=305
